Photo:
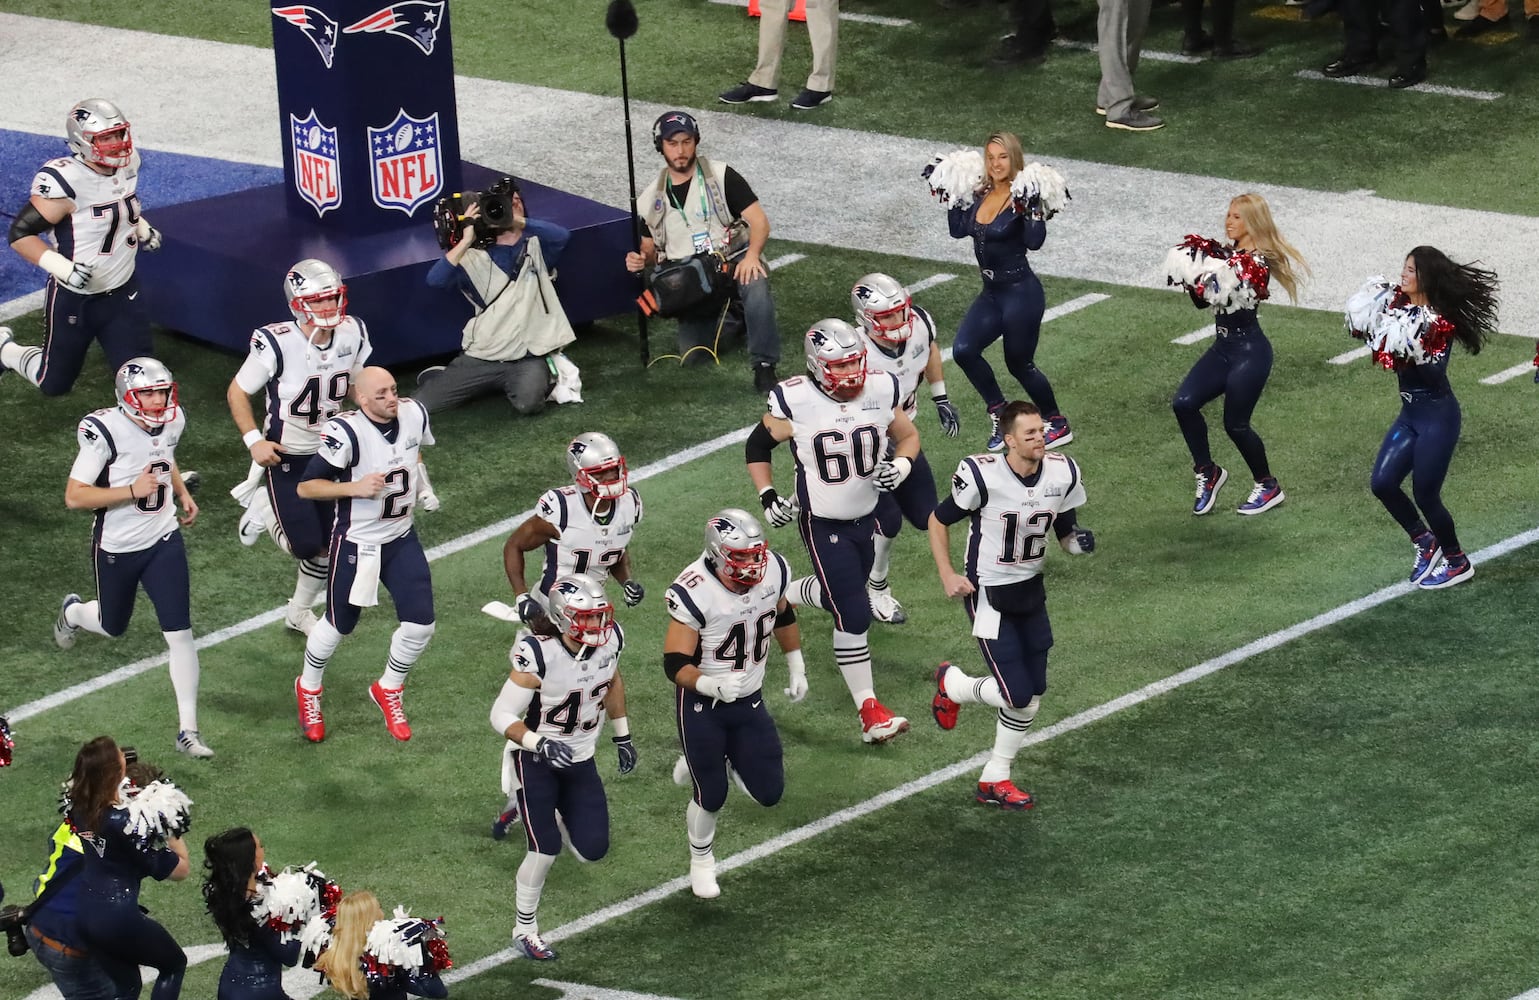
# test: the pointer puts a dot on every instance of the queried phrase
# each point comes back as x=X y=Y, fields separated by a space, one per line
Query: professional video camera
x=495 y=216
x=12 y=920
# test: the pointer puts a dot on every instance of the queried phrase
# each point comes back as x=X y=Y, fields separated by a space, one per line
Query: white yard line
x=30 y=302
x=784 y=259
x=1526 y=368
x=1356 y=354
x=1152 y=56
x=1196 y=336
x=844 y=15
x=1421 y=88
x=930 y=282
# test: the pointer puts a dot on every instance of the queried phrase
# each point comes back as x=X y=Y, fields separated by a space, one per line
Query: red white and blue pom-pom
x=404 y=945
x=1227 y=279
x=955 y=178
x=1038 y=185
x=289 y=900
x=7 y=744
x=1397 y=332
x=156 y=813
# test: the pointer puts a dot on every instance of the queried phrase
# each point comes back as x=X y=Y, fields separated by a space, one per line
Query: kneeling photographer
x=502 y=262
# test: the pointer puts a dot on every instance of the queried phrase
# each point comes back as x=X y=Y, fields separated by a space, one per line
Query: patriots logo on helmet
x=406 y=166
x=577 y=448
x=863 y=292
x=818 y=338
x=567 y=587
x=320 y=29
x=417 y=21
x=81 y=114
x=317 y=169
x=720 y=524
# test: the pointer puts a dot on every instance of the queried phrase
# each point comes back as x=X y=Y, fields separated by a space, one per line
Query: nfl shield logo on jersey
x=406 y=170
x=317 y=176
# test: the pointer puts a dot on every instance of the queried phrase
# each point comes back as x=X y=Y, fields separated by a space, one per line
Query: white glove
x=798 y=689
x=723 y=689
x=779 y=510
x=425 y=495
x=889 y=475
x=69 y=273
x=149 y=236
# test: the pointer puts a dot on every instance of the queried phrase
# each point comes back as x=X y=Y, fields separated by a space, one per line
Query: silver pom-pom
x=1043 y=183
x=288 y=900
x=955 y=178
x=157 y=812
x=1366 y=303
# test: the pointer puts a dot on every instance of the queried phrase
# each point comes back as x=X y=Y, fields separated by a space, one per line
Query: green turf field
x=1347 y=815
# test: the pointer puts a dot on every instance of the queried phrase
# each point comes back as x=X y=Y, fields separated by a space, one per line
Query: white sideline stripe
x=1424 y=88
x=30 y=302
x=1509 y=373
x=1353 y=355
x=890 y=22
x=449 y=548
x=1532 y=994
x=782 y=261
x=931 y=282
x=1165 y=685
x=1175 y=57
x=1196 y=336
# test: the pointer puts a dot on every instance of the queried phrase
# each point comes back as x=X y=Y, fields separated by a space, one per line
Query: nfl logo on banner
x=405 y=168
x=317 y=176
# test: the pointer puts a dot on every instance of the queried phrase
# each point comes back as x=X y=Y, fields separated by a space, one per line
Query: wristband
x=937 y=388
x=530 y=741
x=250 y=438
x=621 y=726
x=794 y=661
x=56 y=264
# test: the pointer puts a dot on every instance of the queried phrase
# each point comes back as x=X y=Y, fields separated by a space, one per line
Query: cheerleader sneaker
x=1263 y=497
x=1209 y=481
x=1057 y=433
x=1453 y=570
x=190 y=743
x=1428 y=554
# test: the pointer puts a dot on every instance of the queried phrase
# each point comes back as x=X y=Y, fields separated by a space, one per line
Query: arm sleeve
x=738 y=193
x=1064 y=523
x=511 y=704
x=320 y=468
x=553 y=240
x=274 y=947
x=444 y=274
x=948 y=513
x=429 y=986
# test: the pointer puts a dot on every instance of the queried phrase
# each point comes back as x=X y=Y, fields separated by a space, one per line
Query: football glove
x=1079 y=542
x=425 y=495
x=530 y=612
x=634 y=592
x=798 y=689
x=71 y=274
x=554 y=752
x=889 y=475
x=723 y=689
x=627 y=751
x=149 y=236
x=950 y=419
x=778 y=509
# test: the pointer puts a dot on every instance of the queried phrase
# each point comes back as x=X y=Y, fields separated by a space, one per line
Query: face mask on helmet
x=581 y=611
x=98 y=133
x=111 y=147
x=746 y=566
x=836 y=358
x=735 y=546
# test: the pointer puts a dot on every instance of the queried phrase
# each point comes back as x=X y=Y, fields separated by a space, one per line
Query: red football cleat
x=1004 y=795
x=877 y=725
x=389 y=702
x=311 y=722
x=943 y=708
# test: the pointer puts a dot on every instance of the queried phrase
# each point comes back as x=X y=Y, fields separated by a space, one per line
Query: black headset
x=683 y=117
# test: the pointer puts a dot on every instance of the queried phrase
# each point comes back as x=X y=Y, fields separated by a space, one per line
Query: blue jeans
x=76 y=978
x=758 y=316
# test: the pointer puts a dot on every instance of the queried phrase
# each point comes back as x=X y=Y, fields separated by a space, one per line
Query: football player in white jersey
x=126 y=472
x=1011 y=502
x=839 y=422
x=724 y=607
x=553 y=706
x=89 y=201
x=903 y=344
x=304 y=369
x=370 y=463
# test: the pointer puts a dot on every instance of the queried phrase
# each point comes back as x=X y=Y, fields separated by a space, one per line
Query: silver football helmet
x=883 y=308
x=316 y=293
x=836 y=358
x=735 y=546
x=581 y=610
x=597 y=465
x=98 y=133
x=140 y=376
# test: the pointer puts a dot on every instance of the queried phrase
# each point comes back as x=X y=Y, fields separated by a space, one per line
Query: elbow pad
x=760 y=443
x=674 y=662
x=28 y=222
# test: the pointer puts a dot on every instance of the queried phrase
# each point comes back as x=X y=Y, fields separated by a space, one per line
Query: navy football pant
x=403 y=570
x=913 y=501
x=742 y=733
x=71 y=321
x=1420 y=443
x=1018 y=658
x=306 y=523
x=121 y=939
x=1013 y=312
x=161 y=569
x=842 y=555
x=1235 y=367
x=575 y=792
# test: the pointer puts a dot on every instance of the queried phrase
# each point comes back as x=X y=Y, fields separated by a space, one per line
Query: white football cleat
x=63 y=632
x=702 y=877
x=885 y=607
x=681 y=772
x=254 y=519
x=300 y=620
x=190 y=743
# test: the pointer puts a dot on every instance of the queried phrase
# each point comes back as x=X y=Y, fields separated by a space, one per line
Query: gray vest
x=673 y=228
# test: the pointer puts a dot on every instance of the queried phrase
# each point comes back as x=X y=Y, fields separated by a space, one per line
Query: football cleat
x=877 y=724
x=190 y=743
x=681 y=772
x=389 y=702
x=702 y=877
x=1058 y=433
x=1209 y=482
x=505 y=820
x=1451 y=571
x=1263 y=497
x=300 y=620
x=943 y=708
x=885 y=607
x=1004 y=795
x=531 y=945
x=192 y=479
x=996 y=436
x=311 y=722
x=1428 y=552
x=254 y=519
x=63 y=632
x=5 y=338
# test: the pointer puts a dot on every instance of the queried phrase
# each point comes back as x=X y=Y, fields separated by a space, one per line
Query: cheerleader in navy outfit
x=351 y=968
x=258 y=952
x=1410 y=328
x=1233 y=280
x=1004 y=222
x=119 y=935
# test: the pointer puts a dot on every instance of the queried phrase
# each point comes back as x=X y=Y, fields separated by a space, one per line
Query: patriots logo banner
x=417 y=21
x=320 y=29
x=405 y=165
x=317 y=170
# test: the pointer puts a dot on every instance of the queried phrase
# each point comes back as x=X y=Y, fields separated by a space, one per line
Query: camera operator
x=502 y=263
x=704 y=206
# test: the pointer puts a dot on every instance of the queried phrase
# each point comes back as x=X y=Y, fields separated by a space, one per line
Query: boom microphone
x=620 y=19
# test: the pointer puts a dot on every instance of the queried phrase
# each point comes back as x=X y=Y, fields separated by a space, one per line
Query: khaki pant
x=1492 y=10
x=822 y=28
